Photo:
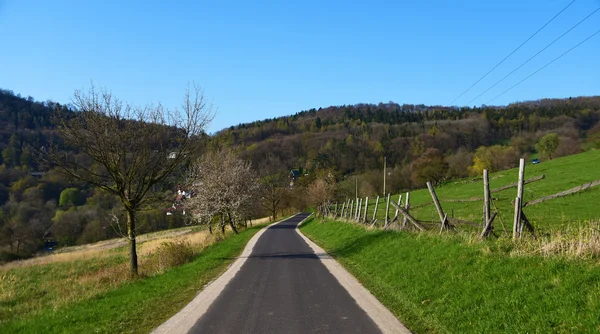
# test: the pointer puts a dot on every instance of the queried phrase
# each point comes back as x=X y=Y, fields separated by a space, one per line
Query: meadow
x=88 y=287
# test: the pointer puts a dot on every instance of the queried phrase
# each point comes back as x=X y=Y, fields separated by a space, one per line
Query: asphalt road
x=284 y=288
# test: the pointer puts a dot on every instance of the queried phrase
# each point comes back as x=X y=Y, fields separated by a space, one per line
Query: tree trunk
x=222 y=225
x=231 y=223
x=133 y=262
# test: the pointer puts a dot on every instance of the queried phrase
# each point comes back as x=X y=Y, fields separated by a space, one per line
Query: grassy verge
x=447 y=284
x=133 y=307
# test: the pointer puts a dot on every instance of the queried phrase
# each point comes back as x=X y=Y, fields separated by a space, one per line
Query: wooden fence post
x=348 y=209
x=364 y=220
x=519 y=201
x=406 y=207
x=393 y=220
x=399 y=204
x=438 y=206
x=360 y=205
x=387 y=212
x=375 y=211
x=487 y=219
x=351 y=210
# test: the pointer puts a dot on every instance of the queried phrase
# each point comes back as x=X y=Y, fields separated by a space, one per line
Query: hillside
x=39 y=204
x=417 y=142
x=355 y=139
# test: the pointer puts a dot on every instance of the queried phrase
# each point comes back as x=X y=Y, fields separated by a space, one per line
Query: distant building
x=178 y=206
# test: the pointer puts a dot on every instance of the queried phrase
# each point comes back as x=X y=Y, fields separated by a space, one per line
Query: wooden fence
x=397 y=208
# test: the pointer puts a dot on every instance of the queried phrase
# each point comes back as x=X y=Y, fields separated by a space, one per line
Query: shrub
x=173 y=253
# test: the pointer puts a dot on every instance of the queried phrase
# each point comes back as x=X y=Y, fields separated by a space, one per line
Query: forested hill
x=355 y=138
x=419 y=143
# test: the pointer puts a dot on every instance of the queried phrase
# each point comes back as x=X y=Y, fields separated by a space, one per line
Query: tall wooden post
x=438 y=206
x=384 y=172
x=487 y=219
x=486 y=197
x=519 y=201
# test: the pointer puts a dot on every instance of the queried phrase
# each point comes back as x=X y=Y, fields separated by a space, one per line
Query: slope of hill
x=356 y=138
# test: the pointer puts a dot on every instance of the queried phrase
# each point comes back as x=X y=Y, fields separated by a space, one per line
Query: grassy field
x=560 y=174
x=94 y=294
x=452 y=284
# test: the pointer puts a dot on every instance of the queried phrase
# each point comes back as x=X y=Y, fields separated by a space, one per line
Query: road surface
x=283 y=287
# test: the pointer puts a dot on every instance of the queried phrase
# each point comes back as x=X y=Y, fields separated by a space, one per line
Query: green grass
x=560 y=174
x=133 y=307
x=446 y=284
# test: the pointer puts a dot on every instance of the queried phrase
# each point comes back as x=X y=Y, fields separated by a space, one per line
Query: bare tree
x=319 y=193
x=128 y=149
x=272 y=190
x=273 y=184
x=221 y=184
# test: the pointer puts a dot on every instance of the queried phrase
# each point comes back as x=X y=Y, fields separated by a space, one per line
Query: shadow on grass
x=358 y=244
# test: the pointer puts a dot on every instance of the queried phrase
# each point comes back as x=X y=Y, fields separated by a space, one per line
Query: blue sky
x=265 y=59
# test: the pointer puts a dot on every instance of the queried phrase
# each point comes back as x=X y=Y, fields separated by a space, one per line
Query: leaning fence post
x=438 y=206
x=519 y=201
x=375 y=211
x=399 y=204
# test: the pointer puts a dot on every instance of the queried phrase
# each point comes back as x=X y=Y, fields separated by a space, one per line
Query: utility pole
x=384 y=174
x=356 y=185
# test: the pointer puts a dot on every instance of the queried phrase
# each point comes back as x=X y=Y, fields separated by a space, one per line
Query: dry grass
x=580 y=241
x=82 y=272
x=96 y=250
x=260 y=221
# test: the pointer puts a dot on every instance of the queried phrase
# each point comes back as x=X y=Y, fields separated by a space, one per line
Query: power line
x=535 y=55
x=543 y=67
x=510 y=54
